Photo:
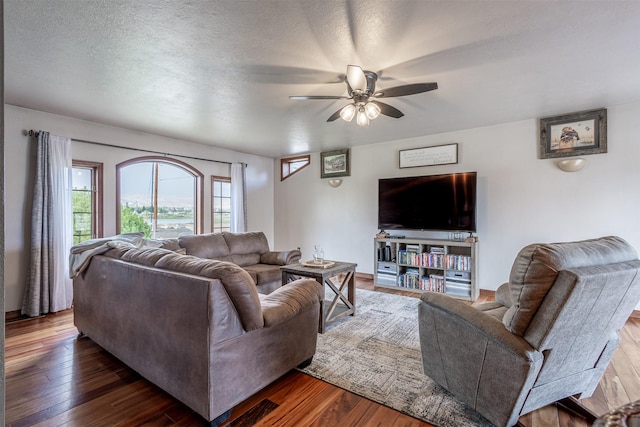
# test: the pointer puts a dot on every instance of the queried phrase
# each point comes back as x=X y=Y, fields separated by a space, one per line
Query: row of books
x=434 y=260
x=458 y=262
x=412 y=280
x=425 y=259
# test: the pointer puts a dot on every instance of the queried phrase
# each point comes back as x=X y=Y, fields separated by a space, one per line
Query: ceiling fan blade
x=334 y=116
x=388 y=110
x=356 y=78
x=406 y=90
x=319 y=97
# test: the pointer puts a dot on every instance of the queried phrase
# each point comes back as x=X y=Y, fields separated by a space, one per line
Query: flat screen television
x=433 y=202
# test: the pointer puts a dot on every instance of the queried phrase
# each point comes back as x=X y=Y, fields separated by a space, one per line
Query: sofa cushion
x=143 y=256
x=209 y=246
x=236 y=281
x=253 y=242
x=253 y=274
x=264 y=273
x=170 y=244
x=536 y=268
x=245 y=259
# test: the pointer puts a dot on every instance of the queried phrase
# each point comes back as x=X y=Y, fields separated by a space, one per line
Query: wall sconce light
x=335 y=182
x=572 y=165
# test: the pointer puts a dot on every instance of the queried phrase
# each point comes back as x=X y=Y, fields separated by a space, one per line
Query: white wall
x=521 y=199
x=19 y=158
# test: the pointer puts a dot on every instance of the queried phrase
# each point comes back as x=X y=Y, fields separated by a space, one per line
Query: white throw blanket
x=81 y=254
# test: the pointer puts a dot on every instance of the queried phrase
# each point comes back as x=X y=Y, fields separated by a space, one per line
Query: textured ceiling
x=220 y=72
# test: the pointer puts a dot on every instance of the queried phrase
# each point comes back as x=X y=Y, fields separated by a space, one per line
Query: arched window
x=159 y=196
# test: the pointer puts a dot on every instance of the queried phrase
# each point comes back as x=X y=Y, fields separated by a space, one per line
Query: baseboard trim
x=364 y=276
x=487 y=293
x=12 y=316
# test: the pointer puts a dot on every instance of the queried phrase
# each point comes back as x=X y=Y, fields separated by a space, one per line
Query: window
x=220 y=204
x=159 y=196
x=86 y=191
x=291 y=165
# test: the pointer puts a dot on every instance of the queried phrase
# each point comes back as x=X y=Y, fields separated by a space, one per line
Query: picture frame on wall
x=335 y=164
x=574 y=134
x=446 y=154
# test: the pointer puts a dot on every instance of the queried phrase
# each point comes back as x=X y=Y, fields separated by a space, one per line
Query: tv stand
x=427 y=265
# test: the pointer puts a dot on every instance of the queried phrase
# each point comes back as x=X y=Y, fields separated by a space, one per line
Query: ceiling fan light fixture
x=361 y=118
x=372 y=110
x=348 y=112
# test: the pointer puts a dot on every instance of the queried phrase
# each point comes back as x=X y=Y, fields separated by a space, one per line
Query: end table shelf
x=344 y=301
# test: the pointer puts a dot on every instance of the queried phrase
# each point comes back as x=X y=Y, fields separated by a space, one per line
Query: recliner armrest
x=503 y=295
x=462 y=315
x=290 y=300
x=281 y=257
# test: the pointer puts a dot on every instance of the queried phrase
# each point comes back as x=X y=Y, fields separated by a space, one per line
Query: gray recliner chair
x=548 y=337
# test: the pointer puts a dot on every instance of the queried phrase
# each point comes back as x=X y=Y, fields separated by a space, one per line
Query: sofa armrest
x=454 y=314
x=475 y=357
x=288 y=301
x=503 y=295
x=281 y=257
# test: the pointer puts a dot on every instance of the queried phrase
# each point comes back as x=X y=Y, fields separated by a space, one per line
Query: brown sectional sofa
x=197 y=327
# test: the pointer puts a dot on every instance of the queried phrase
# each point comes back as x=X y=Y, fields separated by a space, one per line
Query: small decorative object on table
x=318 y=254
x=323 y=264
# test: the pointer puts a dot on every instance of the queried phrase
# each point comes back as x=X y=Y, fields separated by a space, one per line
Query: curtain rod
x=36 y=133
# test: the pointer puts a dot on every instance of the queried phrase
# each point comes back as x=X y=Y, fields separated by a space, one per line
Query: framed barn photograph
x=334 y=164
x=575 y=134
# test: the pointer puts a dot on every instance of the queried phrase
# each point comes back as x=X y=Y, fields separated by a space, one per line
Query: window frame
x=285 y=165
x=215 y=178
x=97 y=193
x=198 y=190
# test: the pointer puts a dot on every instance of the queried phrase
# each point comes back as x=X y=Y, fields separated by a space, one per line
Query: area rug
x=376 y=354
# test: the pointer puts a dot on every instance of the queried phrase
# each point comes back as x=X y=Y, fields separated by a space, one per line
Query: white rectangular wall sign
x=429 y=156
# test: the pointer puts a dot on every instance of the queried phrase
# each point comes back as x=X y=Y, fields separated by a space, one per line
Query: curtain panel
x=49 y=288
x=238 y=198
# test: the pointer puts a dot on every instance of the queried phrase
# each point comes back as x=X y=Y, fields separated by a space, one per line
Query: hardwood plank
x=626 y=373
x=613 y=389
x=334 y=414
x=566 y=420
x=546 y=416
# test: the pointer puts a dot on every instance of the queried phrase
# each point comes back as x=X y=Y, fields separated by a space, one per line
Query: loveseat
x=248 y=250
x=195 y=327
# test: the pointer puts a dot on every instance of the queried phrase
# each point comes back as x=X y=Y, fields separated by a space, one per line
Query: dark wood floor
x=55 y=378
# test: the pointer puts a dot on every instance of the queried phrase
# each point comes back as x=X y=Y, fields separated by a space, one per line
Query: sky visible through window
x=175 y=197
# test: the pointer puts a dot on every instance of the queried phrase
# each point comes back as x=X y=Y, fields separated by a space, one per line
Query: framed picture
x=429 y=156
x=334 y=164
x=575 y=134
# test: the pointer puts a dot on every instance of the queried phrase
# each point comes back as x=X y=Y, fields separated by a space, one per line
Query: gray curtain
x=49 y=287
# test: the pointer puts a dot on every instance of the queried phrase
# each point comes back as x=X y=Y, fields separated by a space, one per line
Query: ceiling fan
x=361 y=87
